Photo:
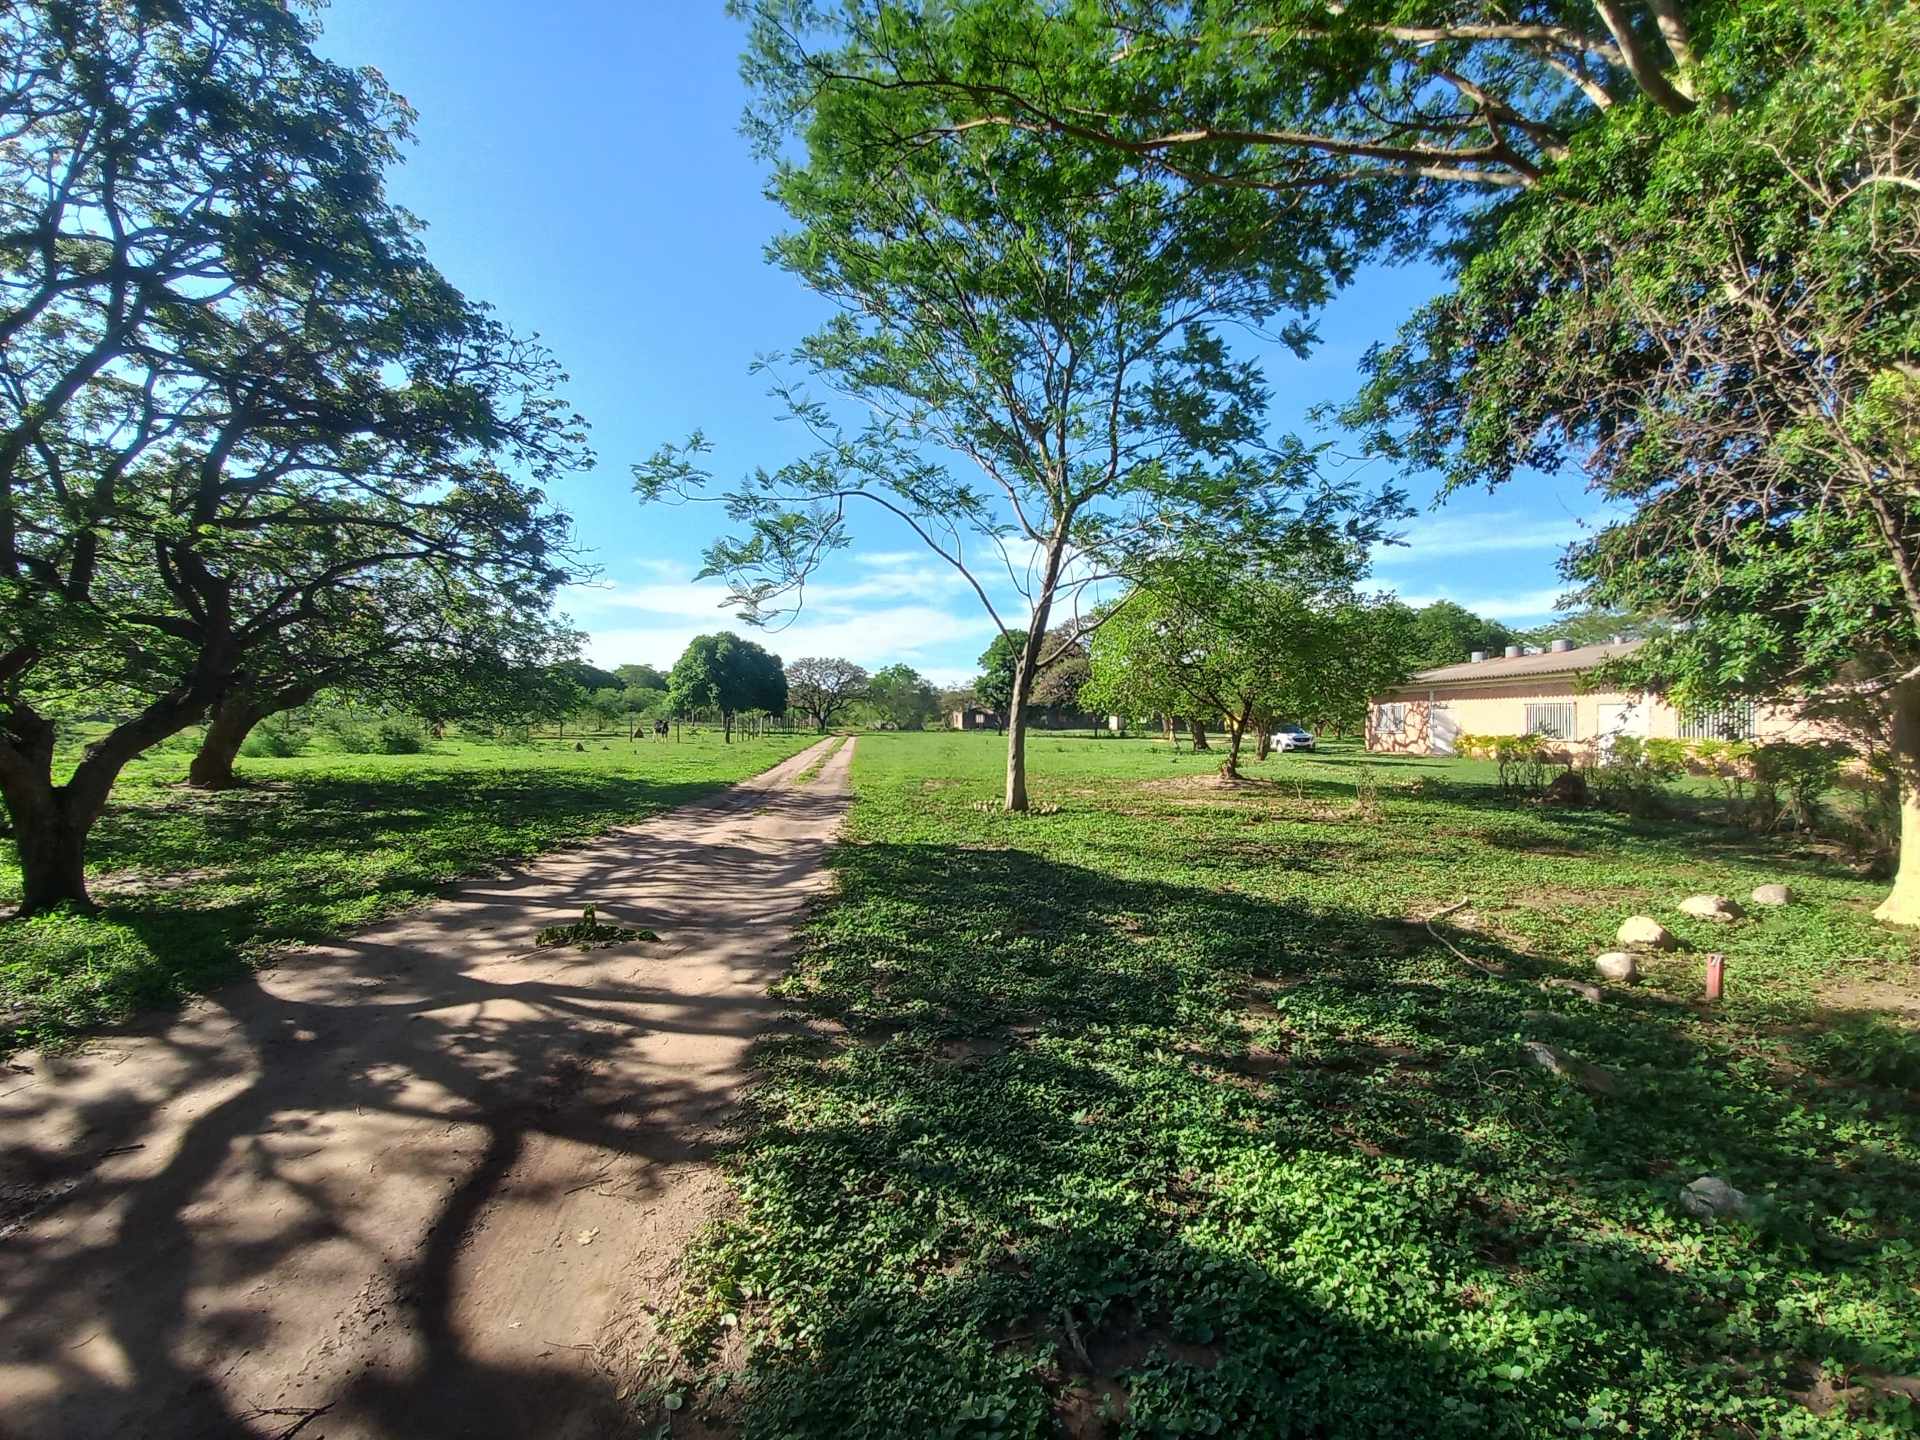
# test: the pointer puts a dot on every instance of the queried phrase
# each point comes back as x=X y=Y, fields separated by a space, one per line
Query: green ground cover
x=196 y=887
x=1161 y=1113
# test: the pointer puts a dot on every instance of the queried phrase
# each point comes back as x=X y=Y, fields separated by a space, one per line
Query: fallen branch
x=1465 y=959
x=1590 y=1077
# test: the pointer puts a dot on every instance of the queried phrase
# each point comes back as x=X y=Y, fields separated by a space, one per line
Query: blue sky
x=579 y=166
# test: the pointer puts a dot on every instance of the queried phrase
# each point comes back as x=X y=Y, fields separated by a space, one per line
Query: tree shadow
x=260 y=869
x=300 y=1170
x=1062 y=1141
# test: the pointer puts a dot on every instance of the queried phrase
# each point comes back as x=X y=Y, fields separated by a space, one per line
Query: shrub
x=398 y=737
x=275 y=743
x=1632 y=774
x=1876 y=834
x=1674 y=755
x=353 y=739
x=1526 y=761
x=1792 y=776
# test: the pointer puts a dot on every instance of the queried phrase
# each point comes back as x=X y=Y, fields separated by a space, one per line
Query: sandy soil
x=407 y=1184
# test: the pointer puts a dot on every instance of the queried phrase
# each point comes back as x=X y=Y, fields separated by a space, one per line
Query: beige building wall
x=1440 y=711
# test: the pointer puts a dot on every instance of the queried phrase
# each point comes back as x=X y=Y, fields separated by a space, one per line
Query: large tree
x=1717 y=312
x=1008 y=303
x=728 y=675
x=439 y=651
x=1445 y=633
x=822 y=688
x=1057 y=687
x=641 y=677
x=1418 y=116
x=902 y=696
x=232 y=389
x=1683 y=235
x=1290 y=639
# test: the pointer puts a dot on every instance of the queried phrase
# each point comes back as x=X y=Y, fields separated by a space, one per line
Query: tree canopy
x=727 y=674
x=235 y=397
x=1204 y=636
x=1445 y=633
x=1714 y=310
x=822 y=688
x=902 y=696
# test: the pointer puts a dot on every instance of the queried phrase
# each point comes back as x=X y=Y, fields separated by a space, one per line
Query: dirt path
x=401 y=1185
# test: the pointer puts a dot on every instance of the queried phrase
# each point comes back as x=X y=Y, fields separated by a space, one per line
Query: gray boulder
x=1710 y=1198
x=1643 y=932
x=1618 y=965
x=1711 y=907
x=1772 y=895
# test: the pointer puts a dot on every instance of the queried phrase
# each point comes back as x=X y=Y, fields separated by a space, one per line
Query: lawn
x=196 y=887
x=1162 y=1113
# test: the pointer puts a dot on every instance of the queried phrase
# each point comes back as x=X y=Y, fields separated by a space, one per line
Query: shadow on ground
x=1064 y=1152
x=296 y=1121
x=193 y=887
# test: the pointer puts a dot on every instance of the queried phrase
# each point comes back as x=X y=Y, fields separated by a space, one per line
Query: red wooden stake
x=1716 y=974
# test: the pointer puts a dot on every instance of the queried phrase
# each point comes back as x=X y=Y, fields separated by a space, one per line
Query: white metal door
x=1621 y=717
x=1442 y=729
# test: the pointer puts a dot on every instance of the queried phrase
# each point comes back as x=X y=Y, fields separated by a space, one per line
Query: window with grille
x=1719 y=722
x=1393 y=719
x=1554 y=721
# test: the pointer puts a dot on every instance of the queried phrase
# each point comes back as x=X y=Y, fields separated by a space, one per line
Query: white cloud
x=1517 y=605
x=912 y=633
x=874 y=608
x=1491 y=533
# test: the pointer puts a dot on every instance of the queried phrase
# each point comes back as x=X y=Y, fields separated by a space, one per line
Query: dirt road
x=401 y=1185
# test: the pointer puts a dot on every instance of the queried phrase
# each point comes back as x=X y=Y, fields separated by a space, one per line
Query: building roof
x=1546 y=662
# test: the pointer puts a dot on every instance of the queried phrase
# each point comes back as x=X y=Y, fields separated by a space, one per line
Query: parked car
x=1292 y=737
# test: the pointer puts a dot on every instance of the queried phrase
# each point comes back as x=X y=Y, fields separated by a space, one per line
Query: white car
x=1292 y=737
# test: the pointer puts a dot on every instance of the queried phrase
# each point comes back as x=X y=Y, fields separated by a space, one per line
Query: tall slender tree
x=1007 y=304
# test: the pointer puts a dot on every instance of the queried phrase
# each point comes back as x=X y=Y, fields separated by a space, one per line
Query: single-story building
x=1529 y=692
x=976 y=717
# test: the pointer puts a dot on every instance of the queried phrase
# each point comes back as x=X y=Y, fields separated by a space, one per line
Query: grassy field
x=195 y=887
x=1163 y=1113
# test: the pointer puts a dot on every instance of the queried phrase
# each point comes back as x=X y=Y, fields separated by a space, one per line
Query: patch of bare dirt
x=1895 y=998
x=429 y=1180
x=1090 y=1400
x=127 y=884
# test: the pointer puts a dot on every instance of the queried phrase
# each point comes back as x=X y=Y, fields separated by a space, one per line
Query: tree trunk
x=1236 y=732
x=233 y=720
x=1166 y=730
x=1199 y=733
x=1263 y=742
x=52 y=840
x=50 y=822
x=1902 y=905
x=1016 y=796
